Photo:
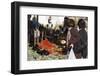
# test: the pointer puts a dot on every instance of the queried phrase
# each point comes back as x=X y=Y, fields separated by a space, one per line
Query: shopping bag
x=71 y=54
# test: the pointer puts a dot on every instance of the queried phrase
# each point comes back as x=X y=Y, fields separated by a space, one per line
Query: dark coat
x=83 y=42
x=75 y=38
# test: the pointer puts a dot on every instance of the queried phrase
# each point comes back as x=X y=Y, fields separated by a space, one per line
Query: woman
x=83 y=38
x=73 y=38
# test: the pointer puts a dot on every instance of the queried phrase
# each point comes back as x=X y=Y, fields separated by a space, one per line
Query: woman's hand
x=72 y=45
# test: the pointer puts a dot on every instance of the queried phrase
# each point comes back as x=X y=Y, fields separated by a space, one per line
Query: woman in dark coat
x=83 y=38
x=73 y=38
